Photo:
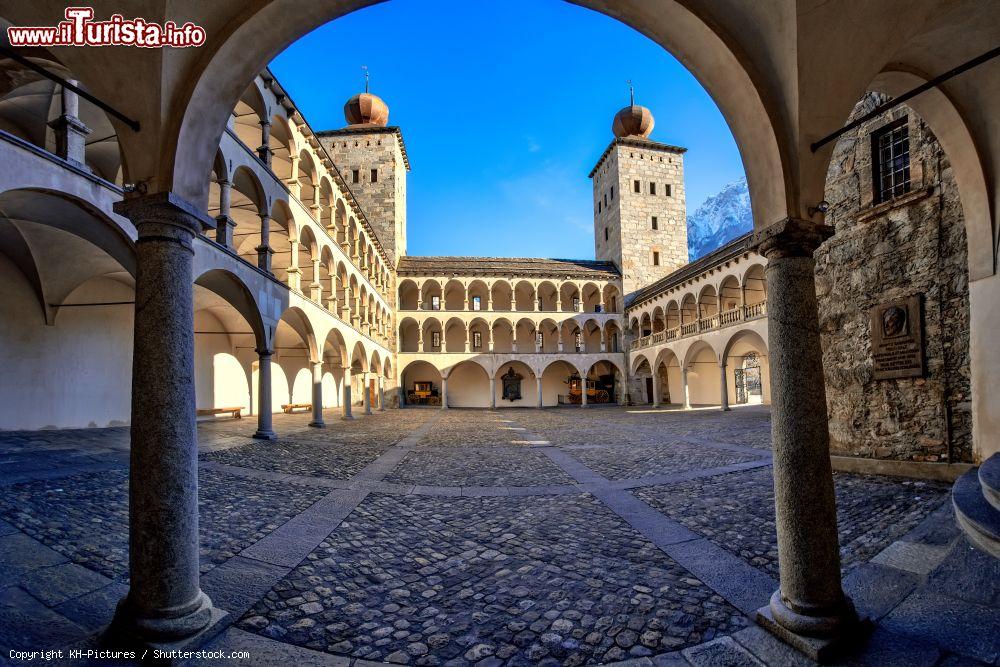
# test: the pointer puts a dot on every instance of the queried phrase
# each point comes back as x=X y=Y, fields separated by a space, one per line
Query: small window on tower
x=356 y=176
x=598 y=205
x=656 y=223
x=374 y=175
x=656 y=258
x=605 y=233
x=652 y=188
x=612 y=193
x=638 y=186
x=667 y=190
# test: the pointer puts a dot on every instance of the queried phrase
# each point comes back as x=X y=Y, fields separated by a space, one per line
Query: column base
x=318 y=424
x=347 y=418
x=177 y=625
x=265 y=435
x=821 y=638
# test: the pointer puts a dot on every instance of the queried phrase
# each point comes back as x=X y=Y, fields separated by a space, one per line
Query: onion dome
x=366 y=109
x=633 y=121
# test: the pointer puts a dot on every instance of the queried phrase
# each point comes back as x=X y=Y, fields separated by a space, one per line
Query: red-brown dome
x=633 y=121
x=366 y=109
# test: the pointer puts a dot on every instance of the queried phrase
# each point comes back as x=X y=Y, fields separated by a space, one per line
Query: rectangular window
x=605 y=198
x=579 y=341
x=436 y=340
x=656 y=258
x=638 y=186
x=356 y=176
x=614 y=305
x=656 y=223
x=667 y=190
x=374 y=175
x=435 y=303
x=576 y=303
x=598 y=205
x=891 y=161
x=612 y=193
x=652 y=188
x=477 y=303
x=614 y=342
x=605 y=233
x=477 y=340
x=539 y=340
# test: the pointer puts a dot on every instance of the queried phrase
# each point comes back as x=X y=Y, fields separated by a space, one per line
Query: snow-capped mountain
x=721 y=218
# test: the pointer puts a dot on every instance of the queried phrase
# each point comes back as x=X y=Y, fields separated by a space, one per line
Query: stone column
x=366 y=393
x=70 y=132
x=294 y=273
x=347 y=395
x=293 y=179
x=316 y=287
x=264 y=250
x=264 y=150
x=656 y=389
x=165 y=601
x=538 y=382
x=493 y=393
x=725 y=386
x=810 y=602
x=444 y=393
x=684 y=388
x=317 y=395
x=583 y=395
x=264 y=410
x=224 y=224
x=381 y=394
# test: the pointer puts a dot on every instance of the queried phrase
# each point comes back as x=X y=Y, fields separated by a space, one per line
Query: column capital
x=791 y=237
x=164 y=209
x=264 y=352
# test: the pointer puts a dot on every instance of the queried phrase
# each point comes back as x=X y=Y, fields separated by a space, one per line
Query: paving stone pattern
x=428 y=580
x=736 y=512
x=479 y=467
x=85 y=517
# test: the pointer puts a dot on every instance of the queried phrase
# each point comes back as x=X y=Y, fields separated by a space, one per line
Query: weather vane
x=631 y=92
x=364 y=68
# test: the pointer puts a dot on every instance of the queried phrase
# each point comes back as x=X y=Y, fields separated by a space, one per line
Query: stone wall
x=384 y=202
x=915 y=244
x=628 y=214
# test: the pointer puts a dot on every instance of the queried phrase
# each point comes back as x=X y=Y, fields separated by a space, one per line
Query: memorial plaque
x=898 y=339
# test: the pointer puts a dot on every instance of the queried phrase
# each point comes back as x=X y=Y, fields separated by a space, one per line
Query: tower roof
x=366 y=109
x=633 y=121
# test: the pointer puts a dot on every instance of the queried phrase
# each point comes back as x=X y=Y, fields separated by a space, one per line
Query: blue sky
x=505 y=107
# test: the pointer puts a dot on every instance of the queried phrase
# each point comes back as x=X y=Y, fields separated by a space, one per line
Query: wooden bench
x=290 y=407
x=237 y=413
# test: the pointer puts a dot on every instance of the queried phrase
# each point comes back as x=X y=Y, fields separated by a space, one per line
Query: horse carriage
x=424 y=393
x=596 y=392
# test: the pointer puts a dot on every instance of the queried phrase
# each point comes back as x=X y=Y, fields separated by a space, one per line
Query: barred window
x=891 y=161
x=436 y=340
x=477 y=340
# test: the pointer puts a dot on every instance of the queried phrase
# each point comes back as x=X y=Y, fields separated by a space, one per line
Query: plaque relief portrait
x=897 y=339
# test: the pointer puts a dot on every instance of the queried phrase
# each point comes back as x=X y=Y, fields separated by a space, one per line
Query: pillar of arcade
x=165 y=601
x=317 y=395
x=810 y=609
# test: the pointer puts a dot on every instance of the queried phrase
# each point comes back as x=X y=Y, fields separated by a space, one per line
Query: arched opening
x=669 y=369
x=430 y=295
x=703 y=377
x=227 y=333
x=642 y=382
x=65 y=326
x=604 y=381
x=247 y=202
x=612 y=337
x=409 y=295
x=557 y=380
x=673 y=315
x=248 y=116
x=591 y=298
x=409 y=335
x=503 y=336
x=548 y=297
x=479 y=336
x=730 y=294
x=522 y=384
x=294 y=349
x=479 y=296
x=282 y=148
x=421 y=384
x=334 y=362
x=455 y=336
x=548 y=336
x=468 y=386
x=454 y=295
x=524 y=296
x=747 y=369
x=524 y=336
x=433 y=335
x=501 y=296
x=569 y=297
x=612 y=299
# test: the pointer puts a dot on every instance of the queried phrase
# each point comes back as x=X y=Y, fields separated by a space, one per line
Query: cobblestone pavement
x=431 y=579
x=736 y=511
x=506 y=537
x=85 y=517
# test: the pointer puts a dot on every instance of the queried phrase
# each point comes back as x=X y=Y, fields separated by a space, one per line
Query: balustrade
x=711 y=323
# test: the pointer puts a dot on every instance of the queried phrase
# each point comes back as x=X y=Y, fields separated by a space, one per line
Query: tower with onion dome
x=640 y=217
x=372 y=160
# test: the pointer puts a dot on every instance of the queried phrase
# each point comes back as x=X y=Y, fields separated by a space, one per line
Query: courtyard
x=504 y=537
